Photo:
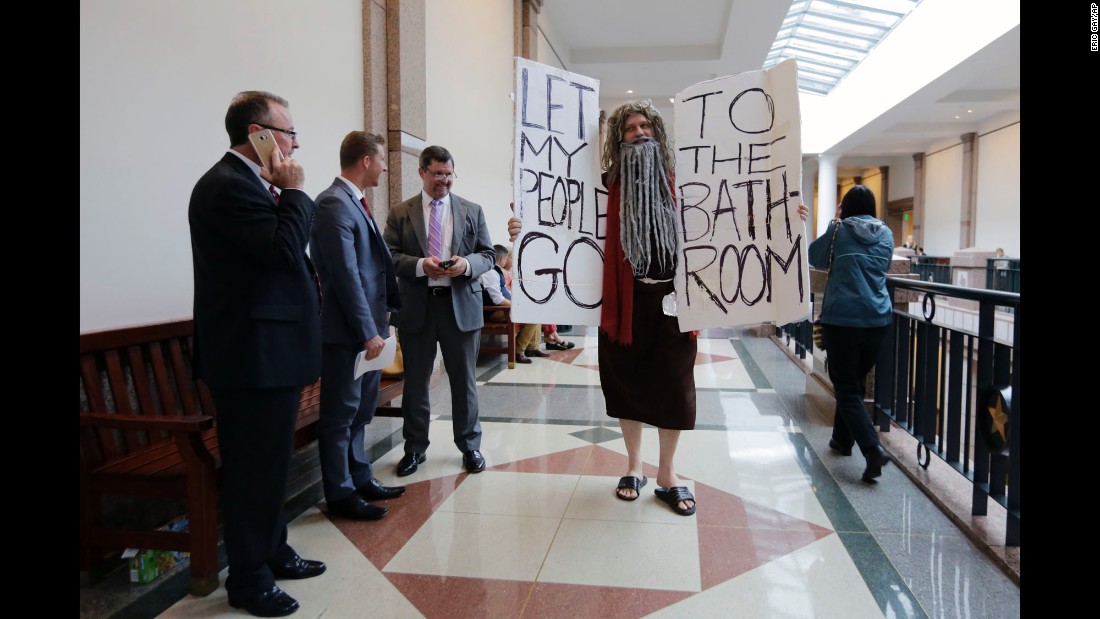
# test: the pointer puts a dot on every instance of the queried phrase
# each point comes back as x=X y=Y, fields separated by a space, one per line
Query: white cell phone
x=264 y=143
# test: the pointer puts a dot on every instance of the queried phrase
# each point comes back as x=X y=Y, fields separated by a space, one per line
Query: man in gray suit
x=441 y=247
x=358 y=290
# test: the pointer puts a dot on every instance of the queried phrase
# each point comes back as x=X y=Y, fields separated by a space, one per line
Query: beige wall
x=155 y=81
x=156 y=78
x=469 y=99
x=998 y=213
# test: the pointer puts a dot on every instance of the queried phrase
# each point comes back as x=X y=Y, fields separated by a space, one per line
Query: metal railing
x=957 y=392
x=801 y=332
x=1003 y=274
x=931 y=268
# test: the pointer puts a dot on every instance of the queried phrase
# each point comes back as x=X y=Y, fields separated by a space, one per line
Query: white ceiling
x=659 y=47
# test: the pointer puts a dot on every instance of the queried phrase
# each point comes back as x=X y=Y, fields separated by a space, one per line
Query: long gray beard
x=646 y=216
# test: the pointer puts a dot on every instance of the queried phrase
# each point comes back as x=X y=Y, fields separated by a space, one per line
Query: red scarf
x=616 y=317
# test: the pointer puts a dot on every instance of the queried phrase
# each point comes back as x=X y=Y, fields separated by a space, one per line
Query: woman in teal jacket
x=856 y=317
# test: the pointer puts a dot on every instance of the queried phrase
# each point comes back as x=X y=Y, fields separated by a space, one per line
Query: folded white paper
x=383 y=360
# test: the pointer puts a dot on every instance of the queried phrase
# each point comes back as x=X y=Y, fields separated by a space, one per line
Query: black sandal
x=632 y=483
x=673 y=496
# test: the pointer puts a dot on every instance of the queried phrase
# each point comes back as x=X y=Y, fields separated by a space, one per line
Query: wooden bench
x=389 y=389
x=495 y=328
x=147 y=430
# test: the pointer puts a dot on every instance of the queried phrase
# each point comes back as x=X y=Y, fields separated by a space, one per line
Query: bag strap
x=832 y=251
x=832 y=244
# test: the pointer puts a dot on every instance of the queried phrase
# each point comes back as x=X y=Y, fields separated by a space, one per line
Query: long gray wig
x=647 y=228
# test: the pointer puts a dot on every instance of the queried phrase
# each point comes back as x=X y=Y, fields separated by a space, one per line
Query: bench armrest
x=173 y=423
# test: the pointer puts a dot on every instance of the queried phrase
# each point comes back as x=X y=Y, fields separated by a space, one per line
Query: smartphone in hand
x=446 y=264
x=263 y=142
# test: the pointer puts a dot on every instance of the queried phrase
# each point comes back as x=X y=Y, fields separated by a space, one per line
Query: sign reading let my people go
x=558 y=257
x=742 y=244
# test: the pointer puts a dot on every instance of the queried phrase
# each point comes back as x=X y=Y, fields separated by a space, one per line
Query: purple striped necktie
x=435 y=230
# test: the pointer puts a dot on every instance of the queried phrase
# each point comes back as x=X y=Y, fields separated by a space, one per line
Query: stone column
x=809 y=176
x=529 y=18
x=826 y=192
x=884 y=193
x=406 y=87
x=918 y=199
x=968 y=225
x=375 y=111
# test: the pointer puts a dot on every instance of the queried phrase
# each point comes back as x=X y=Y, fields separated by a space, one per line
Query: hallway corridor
x=785 y=528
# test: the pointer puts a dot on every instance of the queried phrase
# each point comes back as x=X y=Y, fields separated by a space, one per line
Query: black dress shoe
x=356 y=508
x=523 y=359
x=473 y=461
x=840 y=449
x=563 y=345
x=273 y=602
x=298 y=568
x=536 y=353
x=876 y=459
x=375 y=491
x=408 y=464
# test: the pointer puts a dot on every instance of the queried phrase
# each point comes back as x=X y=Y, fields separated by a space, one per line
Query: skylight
x=829 y=38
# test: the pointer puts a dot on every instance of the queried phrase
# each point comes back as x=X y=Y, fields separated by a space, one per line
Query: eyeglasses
x=442 y=175
x=293 y=134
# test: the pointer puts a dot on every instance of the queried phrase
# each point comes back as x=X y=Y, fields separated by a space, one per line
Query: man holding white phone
x=257 y=340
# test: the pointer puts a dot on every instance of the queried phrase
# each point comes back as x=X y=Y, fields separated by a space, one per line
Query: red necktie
x=274 y=194
x=365 y=207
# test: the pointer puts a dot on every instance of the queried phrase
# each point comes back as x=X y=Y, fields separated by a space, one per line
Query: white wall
x=901 y=178
x=469 y=71
x=155 y=81
x=943 y=200
x=551 y=50
x=998 y=208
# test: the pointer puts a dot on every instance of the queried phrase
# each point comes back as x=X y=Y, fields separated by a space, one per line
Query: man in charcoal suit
x=441 y=246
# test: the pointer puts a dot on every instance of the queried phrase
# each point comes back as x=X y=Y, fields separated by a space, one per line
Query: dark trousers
x=347 y=406
x=256 y=438
x=852 y=352
x=459 y=350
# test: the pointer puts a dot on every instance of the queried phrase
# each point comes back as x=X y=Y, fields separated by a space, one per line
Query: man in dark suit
x=359 y=289
x=257 y=341
x=441 y=246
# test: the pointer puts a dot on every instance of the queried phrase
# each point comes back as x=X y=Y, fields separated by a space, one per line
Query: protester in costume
x=646 y=364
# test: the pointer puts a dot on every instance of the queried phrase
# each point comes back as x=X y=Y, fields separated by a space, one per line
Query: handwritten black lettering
x=523 y=103
x=750 y=115
x=702 y=108
x=578 y=264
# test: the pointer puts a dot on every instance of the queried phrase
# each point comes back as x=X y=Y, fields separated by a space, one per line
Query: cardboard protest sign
x=738 y=184
x=557 y=265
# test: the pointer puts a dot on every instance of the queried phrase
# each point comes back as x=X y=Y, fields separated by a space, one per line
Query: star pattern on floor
x=730 y=536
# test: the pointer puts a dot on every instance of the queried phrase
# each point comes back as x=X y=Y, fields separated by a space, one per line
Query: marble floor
x=784 y=528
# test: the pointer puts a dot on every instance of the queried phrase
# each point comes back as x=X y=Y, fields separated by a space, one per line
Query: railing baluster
x=980 y=496
x=954 y=412
x=1012 y=500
